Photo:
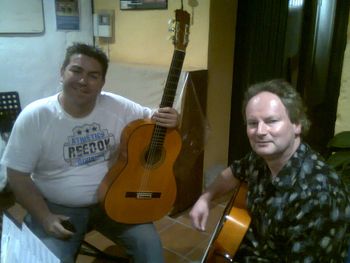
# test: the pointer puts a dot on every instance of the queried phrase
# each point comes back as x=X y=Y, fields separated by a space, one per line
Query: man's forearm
x=222 y=184
x=28 y=195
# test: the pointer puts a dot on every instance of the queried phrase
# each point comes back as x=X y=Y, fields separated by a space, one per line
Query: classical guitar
x=140 y=186
x=230 y=230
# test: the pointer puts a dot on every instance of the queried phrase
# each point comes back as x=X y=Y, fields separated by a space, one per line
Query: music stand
x=10 y=107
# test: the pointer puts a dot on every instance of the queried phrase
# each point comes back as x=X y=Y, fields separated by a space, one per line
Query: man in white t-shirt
x=59 y=151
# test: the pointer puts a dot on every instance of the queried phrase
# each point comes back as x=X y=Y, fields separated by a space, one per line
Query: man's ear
x=297 y=128
x=62 y=72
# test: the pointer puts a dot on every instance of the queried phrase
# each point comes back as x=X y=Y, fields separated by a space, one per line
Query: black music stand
x=10 y=107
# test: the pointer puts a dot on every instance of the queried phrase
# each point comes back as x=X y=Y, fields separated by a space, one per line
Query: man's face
x=82 y=80
x=270 y=131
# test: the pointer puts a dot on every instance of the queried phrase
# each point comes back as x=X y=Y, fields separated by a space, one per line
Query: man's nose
x=83 y=79
x=262 y=128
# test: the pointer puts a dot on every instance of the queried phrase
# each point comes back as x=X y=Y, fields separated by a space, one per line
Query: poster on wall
x=143 y=4
x=67 y=14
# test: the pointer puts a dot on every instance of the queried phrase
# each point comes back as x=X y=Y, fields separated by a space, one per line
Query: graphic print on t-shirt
x=88 y=144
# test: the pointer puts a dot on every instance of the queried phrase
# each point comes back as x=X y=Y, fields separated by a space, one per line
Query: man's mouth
x=262 y=142
x=82 y=89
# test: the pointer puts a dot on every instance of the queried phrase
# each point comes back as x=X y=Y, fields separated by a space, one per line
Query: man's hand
x=166 y=117
x=54 y=226
x=199 y=214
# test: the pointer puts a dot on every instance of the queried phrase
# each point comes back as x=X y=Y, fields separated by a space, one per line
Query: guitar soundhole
x=152 y=158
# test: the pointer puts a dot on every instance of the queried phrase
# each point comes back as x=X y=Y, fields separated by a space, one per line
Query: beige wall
x=220 y=66
x=141 y=36
x=343 y=113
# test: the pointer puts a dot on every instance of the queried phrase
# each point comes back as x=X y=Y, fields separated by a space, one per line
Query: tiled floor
x=181 y=243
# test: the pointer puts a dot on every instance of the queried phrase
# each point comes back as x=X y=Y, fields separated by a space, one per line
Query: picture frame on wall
x=143 y=4
x=67 y=14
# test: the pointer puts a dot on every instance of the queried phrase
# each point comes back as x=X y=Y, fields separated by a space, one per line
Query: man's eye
x=271 y=121
x=75 y=70
x=94 y=76
x=252 y=123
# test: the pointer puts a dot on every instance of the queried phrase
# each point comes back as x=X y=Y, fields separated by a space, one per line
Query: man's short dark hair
x=87 y=50
x=289 y=97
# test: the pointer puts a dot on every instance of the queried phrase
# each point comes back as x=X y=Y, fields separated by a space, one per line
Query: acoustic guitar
x=230 y=230
x=140 y=187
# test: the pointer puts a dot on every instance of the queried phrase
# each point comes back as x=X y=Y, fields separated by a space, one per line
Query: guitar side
x=134 y=191
x=230 y=230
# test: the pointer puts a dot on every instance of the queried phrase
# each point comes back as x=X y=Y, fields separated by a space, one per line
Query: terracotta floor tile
x=84 y=259
x=181 y=239
x=197 y=253
x=216 y=211
x=164 y=223
x=171 y=257
x=98 y=240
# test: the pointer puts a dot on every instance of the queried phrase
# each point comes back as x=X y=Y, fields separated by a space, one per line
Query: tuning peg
x=171 y=25
x=171 y=21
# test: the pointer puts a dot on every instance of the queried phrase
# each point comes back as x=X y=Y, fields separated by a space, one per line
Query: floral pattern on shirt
x=300 y=215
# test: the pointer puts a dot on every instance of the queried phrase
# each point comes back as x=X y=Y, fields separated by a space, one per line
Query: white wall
x=30 y=63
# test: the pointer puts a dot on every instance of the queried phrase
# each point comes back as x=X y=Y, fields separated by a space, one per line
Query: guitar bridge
x=142 y=195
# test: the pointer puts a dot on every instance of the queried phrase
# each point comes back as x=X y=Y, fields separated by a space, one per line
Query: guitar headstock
x=181 y=29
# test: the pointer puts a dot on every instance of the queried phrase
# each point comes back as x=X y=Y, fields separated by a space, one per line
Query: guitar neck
x=168 y=95
x=172 y=79
x=180 y=41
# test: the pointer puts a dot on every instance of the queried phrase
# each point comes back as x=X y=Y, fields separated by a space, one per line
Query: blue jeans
x=141 y=241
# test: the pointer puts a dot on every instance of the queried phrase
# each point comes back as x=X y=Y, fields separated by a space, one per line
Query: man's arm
x=222 y=184
x=32 y=200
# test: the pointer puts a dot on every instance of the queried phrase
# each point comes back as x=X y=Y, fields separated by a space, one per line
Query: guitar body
x=230 y=230
x=139 y=188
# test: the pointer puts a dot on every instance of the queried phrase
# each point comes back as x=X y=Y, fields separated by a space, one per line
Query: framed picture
x=67 y=15
x=143 y=4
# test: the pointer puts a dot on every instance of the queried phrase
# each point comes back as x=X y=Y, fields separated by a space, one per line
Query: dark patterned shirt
x=300 y=215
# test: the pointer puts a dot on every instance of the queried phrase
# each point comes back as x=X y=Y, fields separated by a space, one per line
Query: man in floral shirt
x=299 y=206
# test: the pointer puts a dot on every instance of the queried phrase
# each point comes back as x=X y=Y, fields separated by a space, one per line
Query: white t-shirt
x=68 y=157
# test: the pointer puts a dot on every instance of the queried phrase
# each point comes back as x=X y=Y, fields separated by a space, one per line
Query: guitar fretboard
x=173 y=79
x=168 y=98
